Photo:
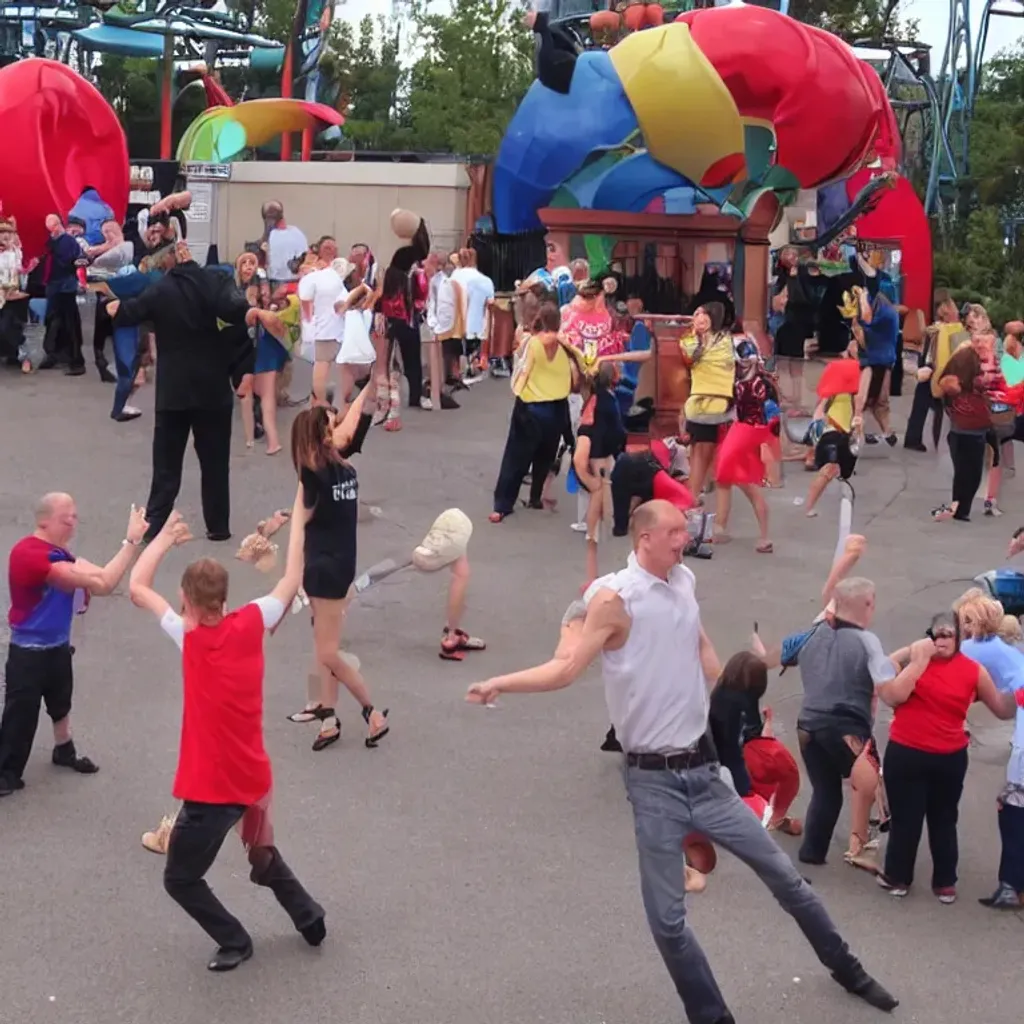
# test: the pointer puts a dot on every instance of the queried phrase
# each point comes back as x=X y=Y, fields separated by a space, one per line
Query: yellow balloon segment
x=688 y=118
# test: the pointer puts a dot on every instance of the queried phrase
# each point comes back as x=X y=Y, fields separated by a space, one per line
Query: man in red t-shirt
x=48 y=584
x=224 y=773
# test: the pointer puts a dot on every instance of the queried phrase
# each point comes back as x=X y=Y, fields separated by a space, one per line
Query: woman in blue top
x=980 y=620
x=875 y=334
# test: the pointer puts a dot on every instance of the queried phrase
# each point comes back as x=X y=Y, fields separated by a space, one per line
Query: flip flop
x=765 y=549
x=372 y=741
x=310 y=713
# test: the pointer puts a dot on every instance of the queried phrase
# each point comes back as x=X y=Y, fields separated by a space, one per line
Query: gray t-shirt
x=840 y=666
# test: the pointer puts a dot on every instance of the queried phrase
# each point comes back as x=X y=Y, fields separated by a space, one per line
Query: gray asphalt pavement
x=478 y=868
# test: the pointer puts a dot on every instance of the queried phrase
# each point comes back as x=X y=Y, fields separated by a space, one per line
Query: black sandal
x=372 y=741
x=324 y=740
x=310 y=713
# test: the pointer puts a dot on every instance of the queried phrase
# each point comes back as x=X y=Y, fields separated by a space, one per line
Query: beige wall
x=351 y=201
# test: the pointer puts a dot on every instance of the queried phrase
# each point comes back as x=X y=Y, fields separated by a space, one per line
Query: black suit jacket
x=192 y=311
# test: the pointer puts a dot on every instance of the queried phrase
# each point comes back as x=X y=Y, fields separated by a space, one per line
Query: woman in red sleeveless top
x=926 y=759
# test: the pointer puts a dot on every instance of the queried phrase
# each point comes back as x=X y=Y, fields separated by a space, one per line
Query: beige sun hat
x=445 y=542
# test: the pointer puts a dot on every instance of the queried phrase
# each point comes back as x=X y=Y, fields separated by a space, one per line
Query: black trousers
x=1011 y=831
x=968 y=454
x=103 y=330
x=407 y=338
x=923 y=788
x=63 y=340
x=534 y=431
x=211 y=437
x=13 y=317
x=34 y=676
x=828 y=760
x=196 y=839
x=923 y=404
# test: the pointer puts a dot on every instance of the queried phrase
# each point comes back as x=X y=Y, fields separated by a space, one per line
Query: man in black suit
x=199 y=365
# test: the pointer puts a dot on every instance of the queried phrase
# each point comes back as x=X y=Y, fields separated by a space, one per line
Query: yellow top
x=948 y=339
x=712 y=376
x=839 y=413
x=542 y=379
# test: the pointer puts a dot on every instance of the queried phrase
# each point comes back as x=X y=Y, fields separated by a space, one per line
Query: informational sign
x=207 y=172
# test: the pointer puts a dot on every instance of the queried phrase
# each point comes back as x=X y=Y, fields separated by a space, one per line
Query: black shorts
x=833 y=448
x=704 y=433
x=42 y=672
x=327 y=577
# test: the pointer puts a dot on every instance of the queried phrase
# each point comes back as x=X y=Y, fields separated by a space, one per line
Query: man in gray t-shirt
x=841 y=664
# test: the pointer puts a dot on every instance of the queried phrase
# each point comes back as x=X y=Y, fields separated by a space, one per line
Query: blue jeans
x=126 y=361
x=667 y=807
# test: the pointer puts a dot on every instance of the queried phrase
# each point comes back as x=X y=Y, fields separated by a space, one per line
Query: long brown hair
x=312 y=447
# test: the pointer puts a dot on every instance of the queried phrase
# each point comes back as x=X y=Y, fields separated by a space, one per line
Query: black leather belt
x=701 y=753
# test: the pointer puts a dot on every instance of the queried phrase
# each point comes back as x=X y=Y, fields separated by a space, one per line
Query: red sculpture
x=60 y=137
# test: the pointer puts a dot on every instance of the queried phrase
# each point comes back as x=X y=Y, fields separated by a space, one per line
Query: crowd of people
x=704 y=768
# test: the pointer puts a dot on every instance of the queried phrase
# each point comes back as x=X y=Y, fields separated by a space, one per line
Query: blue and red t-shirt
x=40 y=614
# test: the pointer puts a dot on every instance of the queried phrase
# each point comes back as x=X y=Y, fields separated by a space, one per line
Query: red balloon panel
x=60 y=136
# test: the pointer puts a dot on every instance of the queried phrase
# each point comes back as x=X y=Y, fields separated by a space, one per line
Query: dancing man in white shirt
x=658 y=665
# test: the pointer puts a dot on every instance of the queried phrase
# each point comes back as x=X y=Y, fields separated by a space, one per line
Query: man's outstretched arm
x=140 y=583
x=288 y=585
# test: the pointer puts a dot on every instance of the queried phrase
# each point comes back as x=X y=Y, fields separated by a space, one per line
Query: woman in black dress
x=322 y=443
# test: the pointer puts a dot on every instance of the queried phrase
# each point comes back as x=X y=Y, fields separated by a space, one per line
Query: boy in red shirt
x=224 y=774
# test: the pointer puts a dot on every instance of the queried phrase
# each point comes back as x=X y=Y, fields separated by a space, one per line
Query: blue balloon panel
x=630 y=186
x=552 y=134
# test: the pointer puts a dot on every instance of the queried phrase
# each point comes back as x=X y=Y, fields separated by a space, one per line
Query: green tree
x=855 y=19
x=476 y=65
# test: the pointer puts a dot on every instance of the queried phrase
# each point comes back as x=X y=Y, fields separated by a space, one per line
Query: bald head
x=56 y=517
x=659 y=536
x=649 y=516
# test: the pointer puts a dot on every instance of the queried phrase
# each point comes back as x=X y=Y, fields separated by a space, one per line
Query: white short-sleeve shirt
x=324 y=288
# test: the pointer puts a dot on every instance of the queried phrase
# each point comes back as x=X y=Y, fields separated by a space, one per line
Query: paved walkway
x=479 y=867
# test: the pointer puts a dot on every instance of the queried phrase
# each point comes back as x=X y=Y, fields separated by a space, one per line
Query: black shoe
x=228 y=959
x=858 y=982
x=106 y=376
x=49 y=363
x=6 y=786
x=126 y=417
x=258 y=432
x=65 y=756
x=914 y=447
x=807 y=859
x=75 y=371
x=217 y=537
x=1004 y=898
x=447 y=402
x=315 y=933
x=611 y=744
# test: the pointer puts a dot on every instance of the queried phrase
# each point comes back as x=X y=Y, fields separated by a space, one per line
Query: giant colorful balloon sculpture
x=716 y=107
x=60 y=137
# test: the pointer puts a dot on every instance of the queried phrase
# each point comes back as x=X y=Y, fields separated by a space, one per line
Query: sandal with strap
x=374 y=738
x=310 y=713
x=455 y=643
x=328 y=734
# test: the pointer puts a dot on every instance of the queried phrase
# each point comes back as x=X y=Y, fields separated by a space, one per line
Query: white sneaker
x=132 y=411
x=426 y=404
x=578 y=527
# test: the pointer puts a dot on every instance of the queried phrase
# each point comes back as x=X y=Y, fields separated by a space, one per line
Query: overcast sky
x=933 y=16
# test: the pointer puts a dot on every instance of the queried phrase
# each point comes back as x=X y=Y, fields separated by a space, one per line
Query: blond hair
x=981 y=616
x=1009 y=629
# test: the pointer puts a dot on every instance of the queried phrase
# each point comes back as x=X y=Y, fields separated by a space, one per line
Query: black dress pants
x=1011 y=831
x=196 y=839
x=407 y=338
x=63 y=341
x=103 y=330
x=968 y=454
x=211 y=437
x=534 y=431
x=34 y=676
x=828 y=760
x=923 y=788
x=923 y=402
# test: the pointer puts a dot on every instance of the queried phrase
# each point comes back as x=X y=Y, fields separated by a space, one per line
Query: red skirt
x=739 y=455
x=668 y=488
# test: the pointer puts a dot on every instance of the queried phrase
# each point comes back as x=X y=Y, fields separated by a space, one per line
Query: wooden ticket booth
x=682 y=246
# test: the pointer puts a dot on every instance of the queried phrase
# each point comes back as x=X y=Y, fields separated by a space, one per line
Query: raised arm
x=606 y=621
x=102 y=580
x=855 y=547
x=140 y=583
x=288 y=585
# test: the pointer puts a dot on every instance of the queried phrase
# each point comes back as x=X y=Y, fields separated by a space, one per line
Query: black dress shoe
x=228 y=959
x=49 y=363
x=106 y=376
x=914 y=447
x=1004 y=898
x=75 y=371
x=217 y=537
x=858 y=982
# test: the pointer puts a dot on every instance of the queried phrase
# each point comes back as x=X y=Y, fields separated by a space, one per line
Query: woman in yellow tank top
x=711 y=356
x=540 y=415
